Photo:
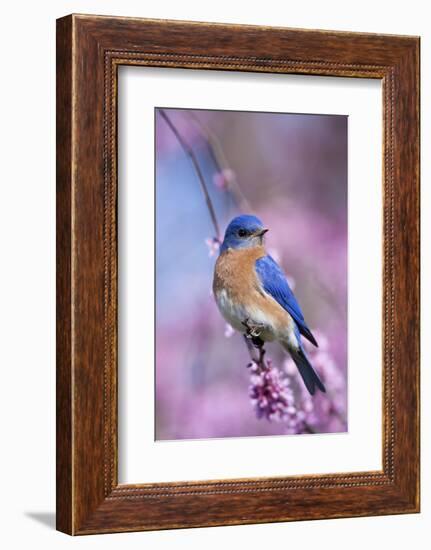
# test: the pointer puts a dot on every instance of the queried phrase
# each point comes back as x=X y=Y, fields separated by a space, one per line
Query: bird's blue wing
x=274 y=283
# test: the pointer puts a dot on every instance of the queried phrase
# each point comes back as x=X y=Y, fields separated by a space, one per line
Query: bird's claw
x=253 y=329
x=253 y=332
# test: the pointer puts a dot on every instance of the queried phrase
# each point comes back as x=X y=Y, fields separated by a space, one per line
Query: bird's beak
x=262 y=232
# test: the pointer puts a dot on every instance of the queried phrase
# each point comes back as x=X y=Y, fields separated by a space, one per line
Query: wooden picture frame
x=89 y=52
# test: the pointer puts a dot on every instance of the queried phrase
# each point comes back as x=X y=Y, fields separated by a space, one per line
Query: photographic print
x=251 y=273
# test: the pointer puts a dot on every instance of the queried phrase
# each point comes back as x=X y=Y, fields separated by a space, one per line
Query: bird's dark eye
x=242 y=233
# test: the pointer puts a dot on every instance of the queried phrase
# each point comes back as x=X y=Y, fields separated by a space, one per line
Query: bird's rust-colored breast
x=240 y=295
x=235 y=272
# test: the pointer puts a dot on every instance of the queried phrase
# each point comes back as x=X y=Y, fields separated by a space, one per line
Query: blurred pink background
x=291 y=171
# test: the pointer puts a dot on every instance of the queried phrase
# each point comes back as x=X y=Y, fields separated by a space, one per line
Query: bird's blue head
x=243 y=232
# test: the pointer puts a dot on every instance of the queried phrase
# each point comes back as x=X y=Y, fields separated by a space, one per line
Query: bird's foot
x=253 y=332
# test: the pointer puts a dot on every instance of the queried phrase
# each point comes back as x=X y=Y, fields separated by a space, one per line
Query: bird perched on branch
x=254 y=297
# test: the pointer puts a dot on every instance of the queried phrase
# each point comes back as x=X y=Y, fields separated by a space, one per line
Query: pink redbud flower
x=228 y=331
x=271 y=395
x=213 y=245
x=223 y=180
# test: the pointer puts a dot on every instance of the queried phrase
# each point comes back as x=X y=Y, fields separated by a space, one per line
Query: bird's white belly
x=236 y=314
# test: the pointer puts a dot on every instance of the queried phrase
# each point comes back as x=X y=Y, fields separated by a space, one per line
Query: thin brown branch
x=256 y=351
x=189 y=151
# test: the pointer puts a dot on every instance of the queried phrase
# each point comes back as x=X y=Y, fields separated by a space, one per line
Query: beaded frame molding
x=89 y=51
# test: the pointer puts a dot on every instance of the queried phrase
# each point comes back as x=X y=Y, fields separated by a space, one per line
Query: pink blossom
x=228 y=330
x=273 y=397
x=213 y=245
x=223 y=180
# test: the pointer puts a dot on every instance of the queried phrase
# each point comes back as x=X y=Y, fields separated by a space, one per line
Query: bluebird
x=253 y=295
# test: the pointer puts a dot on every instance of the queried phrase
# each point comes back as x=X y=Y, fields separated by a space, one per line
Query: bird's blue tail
x=308 y=374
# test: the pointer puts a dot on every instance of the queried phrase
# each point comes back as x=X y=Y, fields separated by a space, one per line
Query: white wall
x=27 y=219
